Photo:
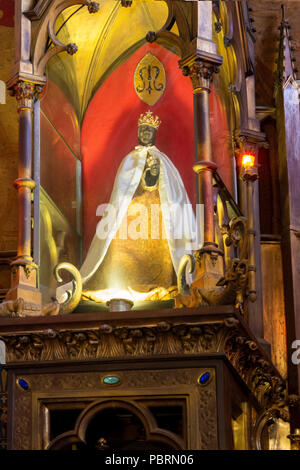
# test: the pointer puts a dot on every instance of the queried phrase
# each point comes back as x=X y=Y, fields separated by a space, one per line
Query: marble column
x=24 y=270
x=209 y=256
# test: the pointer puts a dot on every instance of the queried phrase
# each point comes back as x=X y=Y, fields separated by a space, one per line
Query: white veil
x=181 y=233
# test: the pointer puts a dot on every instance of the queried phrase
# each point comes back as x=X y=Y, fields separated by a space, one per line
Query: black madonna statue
x=145 y=229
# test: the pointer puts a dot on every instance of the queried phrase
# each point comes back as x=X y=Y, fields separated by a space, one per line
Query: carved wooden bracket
x=256 y=371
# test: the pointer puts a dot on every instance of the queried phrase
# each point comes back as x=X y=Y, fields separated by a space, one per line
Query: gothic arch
x=153 y=434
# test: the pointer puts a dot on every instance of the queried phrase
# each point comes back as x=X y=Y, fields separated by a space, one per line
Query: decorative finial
x=283 y=12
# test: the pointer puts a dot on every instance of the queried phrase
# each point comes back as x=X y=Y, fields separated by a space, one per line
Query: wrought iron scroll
x=231 y=234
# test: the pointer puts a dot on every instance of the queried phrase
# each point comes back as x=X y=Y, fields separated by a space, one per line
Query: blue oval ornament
x=111 y=380
x=23 y=384
x=204 y=378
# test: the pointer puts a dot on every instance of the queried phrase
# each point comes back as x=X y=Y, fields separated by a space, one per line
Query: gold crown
x=148 y=119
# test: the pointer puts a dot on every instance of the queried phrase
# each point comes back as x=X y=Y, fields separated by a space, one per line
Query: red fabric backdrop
x=109 y=129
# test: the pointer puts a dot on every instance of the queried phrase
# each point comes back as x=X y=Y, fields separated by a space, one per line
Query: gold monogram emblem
x=150 y=79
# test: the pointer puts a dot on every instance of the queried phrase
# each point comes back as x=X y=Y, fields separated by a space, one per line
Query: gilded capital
x=201 y=73
x=25 y=93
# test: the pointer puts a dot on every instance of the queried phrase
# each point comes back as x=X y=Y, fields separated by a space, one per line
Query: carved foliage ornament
x=270 y=415
x=164 y=338
x=259 y=374
x=112 y=342
x=200 y=72
x=26 y=93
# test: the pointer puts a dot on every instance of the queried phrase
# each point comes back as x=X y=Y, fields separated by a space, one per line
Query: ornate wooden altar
x=192 y=379
x=194 y=373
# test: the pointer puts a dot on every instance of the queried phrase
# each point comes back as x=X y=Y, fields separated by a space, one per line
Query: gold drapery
x=142 y=264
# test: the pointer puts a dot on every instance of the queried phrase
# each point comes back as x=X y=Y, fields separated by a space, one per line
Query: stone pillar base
x=209 y=269
x=23 y=286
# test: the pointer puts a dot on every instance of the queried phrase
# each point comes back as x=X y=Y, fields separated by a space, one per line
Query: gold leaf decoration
x=150 y=79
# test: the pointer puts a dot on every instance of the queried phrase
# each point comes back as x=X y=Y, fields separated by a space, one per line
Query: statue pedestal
x=209 y=269
x=23 y=286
